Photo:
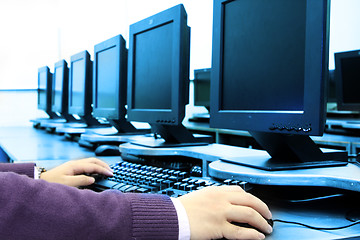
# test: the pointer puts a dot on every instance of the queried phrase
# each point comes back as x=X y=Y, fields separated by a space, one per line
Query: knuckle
x=249 y=213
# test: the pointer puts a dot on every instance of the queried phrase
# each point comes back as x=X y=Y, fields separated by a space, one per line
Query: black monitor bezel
x=63 y=108
x=47 y=106
x=85 y=110
x=180 y=73
x=316 y=62
x=119 y=111
x=341 y=105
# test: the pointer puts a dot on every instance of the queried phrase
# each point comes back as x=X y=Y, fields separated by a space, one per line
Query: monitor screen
x=347 y=74
x=331 y=88
x=44 y=88
x=269 y=67
x=107 y=77
x=57 y=86
x=158 y=74
x=110 y=78
x=80 y=84
x=60 y=87
x=263 y=77
x=202 y=87
x=153 y=67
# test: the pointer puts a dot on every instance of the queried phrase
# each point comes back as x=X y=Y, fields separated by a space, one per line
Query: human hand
x=72 y=173
x=212 y=209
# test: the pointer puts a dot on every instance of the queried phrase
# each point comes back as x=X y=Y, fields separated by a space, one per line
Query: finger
x=234 y=232
x=243 y=214
x=79 y=180
x=98 y=162
x=249 y=200
x=91 y=168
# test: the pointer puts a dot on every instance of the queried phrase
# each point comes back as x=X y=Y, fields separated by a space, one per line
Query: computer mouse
x=107 y=150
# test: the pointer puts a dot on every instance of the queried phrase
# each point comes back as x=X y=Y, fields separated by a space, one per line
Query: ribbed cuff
x=153 y=217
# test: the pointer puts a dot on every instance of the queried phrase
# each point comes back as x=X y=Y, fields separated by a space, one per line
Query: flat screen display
x=153 y=70
x=350 y=71
x=107 y=78
x=260 y=75
x=77 y=90
x=58 y=85
x=42 y=88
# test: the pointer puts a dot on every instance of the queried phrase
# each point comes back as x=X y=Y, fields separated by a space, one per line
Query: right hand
x=211 y=211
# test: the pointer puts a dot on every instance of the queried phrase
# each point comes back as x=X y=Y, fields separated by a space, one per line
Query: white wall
x=40 y=32
x=34 y=33
x=344 y=27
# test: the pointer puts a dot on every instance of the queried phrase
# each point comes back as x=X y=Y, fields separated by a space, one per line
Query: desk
x=24 y=144
x=59 y=150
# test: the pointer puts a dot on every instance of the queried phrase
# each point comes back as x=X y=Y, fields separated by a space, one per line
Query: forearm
x=35 y=209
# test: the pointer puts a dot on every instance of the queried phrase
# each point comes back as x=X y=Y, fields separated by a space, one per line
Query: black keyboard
x=140 y=178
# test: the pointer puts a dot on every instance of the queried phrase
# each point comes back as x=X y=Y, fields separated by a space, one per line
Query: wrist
x=38 y=172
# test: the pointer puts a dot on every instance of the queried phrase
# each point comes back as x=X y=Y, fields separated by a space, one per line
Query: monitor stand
x=66 y=118
x=173 y=136
x=73 y=131
x=53 y=117
x=290 y=152
x=122 y=132
x=200 y=117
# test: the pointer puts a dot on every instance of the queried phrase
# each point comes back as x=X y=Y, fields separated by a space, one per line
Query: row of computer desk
x=291 y=203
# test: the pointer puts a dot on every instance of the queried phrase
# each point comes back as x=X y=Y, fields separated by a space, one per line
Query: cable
x=316 y=198
x=317 y=228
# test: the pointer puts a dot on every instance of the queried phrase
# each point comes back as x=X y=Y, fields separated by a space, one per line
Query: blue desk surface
x=25 y=144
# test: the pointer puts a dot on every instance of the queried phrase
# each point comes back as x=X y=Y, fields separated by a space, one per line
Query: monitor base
x=151 y=142
x=271 y=164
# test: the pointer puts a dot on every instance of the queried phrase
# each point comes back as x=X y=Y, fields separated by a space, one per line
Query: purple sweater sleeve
x=35 y=209
x=20 y=168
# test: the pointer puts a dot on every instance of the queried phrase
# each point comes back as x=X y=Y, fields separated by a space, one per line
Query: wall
x=41 y=32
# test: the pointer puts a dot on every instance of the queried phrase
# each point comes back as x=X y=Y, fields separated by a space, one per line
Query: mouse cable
x=316 y=198
x=317 y=228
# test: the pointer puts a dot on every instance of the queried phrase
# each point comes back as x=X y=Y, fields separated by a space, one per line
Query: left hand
x=72 y=173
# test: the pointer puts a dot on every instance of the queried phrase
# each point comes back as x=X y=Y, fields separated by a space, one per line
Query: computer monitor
x=45 y=91
x=331 y=88
x=110 y=83
x=158 y=74
x=80 y=87
x=347 y=78
x=201 y=94
x=269 y=66
x=202 y=87
x=60 y=90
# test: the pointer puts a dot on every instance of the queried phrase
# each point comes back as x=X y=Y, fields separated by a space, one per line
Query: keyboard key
x=177 y=185
x=190 y=187
x=123 y=188
x=142 y=190
x=106 y=183
x=131 y=189
x=168 y=183
x=150 y=188
x=119 y=186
